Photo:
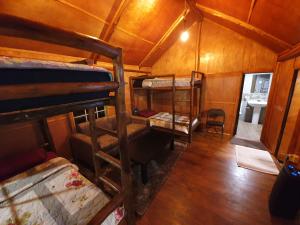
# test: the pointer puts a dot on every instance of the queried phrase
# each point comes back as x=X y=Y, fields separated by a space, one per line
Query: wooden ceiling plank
x=66 y=3
x=270 y=38
x=177 y=22
x=102 y=20
x=251 y=10
x=289 y=53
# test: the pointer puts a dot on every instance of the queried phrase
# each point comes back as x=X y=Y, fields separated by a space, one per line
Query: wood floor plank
x=206 y=187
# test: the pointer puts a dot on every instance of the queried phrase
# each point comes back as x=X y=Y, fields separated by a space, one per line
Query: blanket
x=53 y=193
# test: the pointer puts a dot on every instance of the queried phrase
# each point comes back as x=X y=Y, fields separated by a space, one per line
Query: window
x=82 y=115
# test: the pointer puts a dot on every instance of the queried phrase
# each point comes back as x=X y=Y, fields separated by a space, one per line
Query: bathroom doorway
x=253 y=104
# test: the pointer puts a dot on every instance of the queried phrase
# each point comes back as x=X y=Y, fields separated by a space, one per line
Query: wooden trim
x=9 y=92
x=171 y=29
x=198 y=49
x=253 y=2
x=214 y=13
x=238 y=106
x=293 y=52
x=23 y=28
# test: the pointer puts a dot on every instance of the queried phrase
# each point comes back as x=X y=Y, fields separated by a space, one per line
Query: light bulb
x=184 y=36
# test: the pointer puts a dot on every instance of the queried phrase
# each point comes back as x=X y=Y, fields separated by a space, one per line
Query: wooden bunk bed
x=180 y=125
x=35 y=99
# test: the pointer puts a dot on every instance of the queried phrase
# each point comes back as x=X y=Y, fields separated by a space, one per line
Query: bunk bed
x=180 y=125
x=54 y=192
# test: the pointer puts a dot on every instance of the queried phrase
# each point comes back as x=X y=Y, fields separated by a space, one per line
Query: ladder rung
x=110 y=183
x=108 y=158
x=107 y=131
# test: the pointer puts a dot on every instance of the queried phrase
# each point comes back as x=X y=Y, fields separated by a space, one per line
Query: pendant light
x=185 y=34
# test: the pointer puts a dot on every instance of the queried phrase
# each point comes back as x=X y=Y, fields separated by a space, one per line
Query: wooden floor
x=206 y=187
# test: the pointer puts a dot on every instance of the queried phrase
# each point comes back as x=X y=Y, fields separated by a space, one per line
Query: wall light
x=184 y=36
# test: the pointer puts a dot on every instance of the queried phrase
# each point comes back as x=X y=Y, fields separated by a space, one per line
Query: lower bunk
x=55 y=193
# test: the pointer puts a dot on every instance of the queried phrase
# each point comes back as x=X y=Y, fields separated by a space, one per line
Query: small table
x=148 y=147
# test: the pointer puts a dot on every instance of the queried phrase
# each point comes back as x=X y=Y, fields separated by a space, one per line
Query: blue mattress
x=16 y=71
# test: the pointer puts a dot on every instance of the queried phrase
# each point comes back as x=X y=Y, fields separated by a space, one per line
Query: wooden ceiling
x=145 y=28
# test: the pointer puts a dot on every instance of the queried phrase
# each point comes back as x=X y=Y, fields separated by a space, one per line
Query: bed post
x=191 y=106
x=122 y=136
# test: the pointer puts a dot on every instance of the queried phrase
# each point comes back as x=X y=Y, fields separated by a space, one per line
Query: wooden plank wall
x=19 y=137
x=222 y=91
x=224 y=57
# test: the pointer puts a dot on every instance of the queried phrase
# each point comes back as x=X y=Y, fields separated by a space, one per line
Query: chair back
x=216 y=113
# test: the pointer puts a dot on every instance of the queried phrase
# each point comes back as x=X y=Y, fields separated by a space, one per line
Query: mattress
x=164 y=120
x=167 y=82
x=52 y=193
x=23 y=71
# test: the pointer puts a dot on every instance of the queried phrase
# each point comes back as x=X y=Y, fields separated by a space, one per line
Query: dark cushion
x=13 y=165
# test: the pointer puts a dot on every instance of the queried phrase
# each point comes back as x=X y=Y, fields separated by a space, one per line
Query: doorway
x=253 y=104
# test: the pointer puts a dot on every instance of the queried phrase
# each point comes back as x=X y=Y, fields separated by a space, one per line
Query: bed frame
x=192 y=100
x=21 y=28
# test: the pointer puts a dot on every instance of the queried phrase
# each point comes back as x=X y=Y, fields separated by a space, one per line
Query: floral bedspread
x=53 y=193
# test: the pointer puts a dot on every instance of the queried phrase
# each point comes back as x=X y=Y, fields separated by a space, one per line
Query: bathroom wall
x=251 y=88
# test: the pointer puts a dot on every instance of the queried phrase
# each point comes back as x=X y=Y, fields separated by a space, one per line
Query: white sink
x=257 y=105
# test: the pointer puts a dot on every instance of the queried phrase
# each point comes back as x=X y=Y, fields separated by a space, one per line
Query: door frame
x=241 y=94
x=236 y=122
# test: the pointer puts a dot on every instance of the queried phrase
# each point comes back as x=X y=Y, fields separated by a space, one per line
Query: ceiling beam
x=253 y=2
x=289 y=53
x=245 y=29
x=114 y=17
x=166 y=39
x=107 y=32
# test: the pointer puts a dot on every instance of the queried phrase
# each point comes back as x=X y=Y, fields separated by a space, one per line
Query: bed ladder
x=100 y=156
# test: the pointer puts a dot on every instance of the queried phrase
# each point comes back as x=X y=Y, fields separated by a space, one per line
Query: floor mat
x=254 y=159
x=248 y=143
x=158 y=172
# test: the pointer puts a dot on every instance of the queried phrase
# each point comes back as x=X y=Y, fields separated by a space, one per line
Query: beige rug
x=254 y=159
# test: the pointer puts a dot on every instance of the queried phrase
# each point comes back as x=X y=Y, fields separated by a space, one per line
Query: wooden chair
x=215 y=118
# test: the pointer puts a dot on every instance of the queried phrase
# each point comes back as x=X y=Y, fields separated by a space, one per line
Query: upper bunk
x=166 y=82
x=32 y=89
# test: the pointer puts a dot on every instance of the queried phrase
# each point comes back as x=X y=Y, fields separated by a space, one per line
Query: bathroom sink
x=257 y=105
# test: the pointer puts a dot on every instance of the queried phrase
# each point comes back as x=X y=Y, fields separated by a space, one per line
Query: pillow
x=11 y=166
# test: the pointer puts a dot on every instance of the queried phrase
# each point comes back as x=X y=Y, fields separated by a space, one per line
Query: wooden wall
x=281 y=86
x=223 y=56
